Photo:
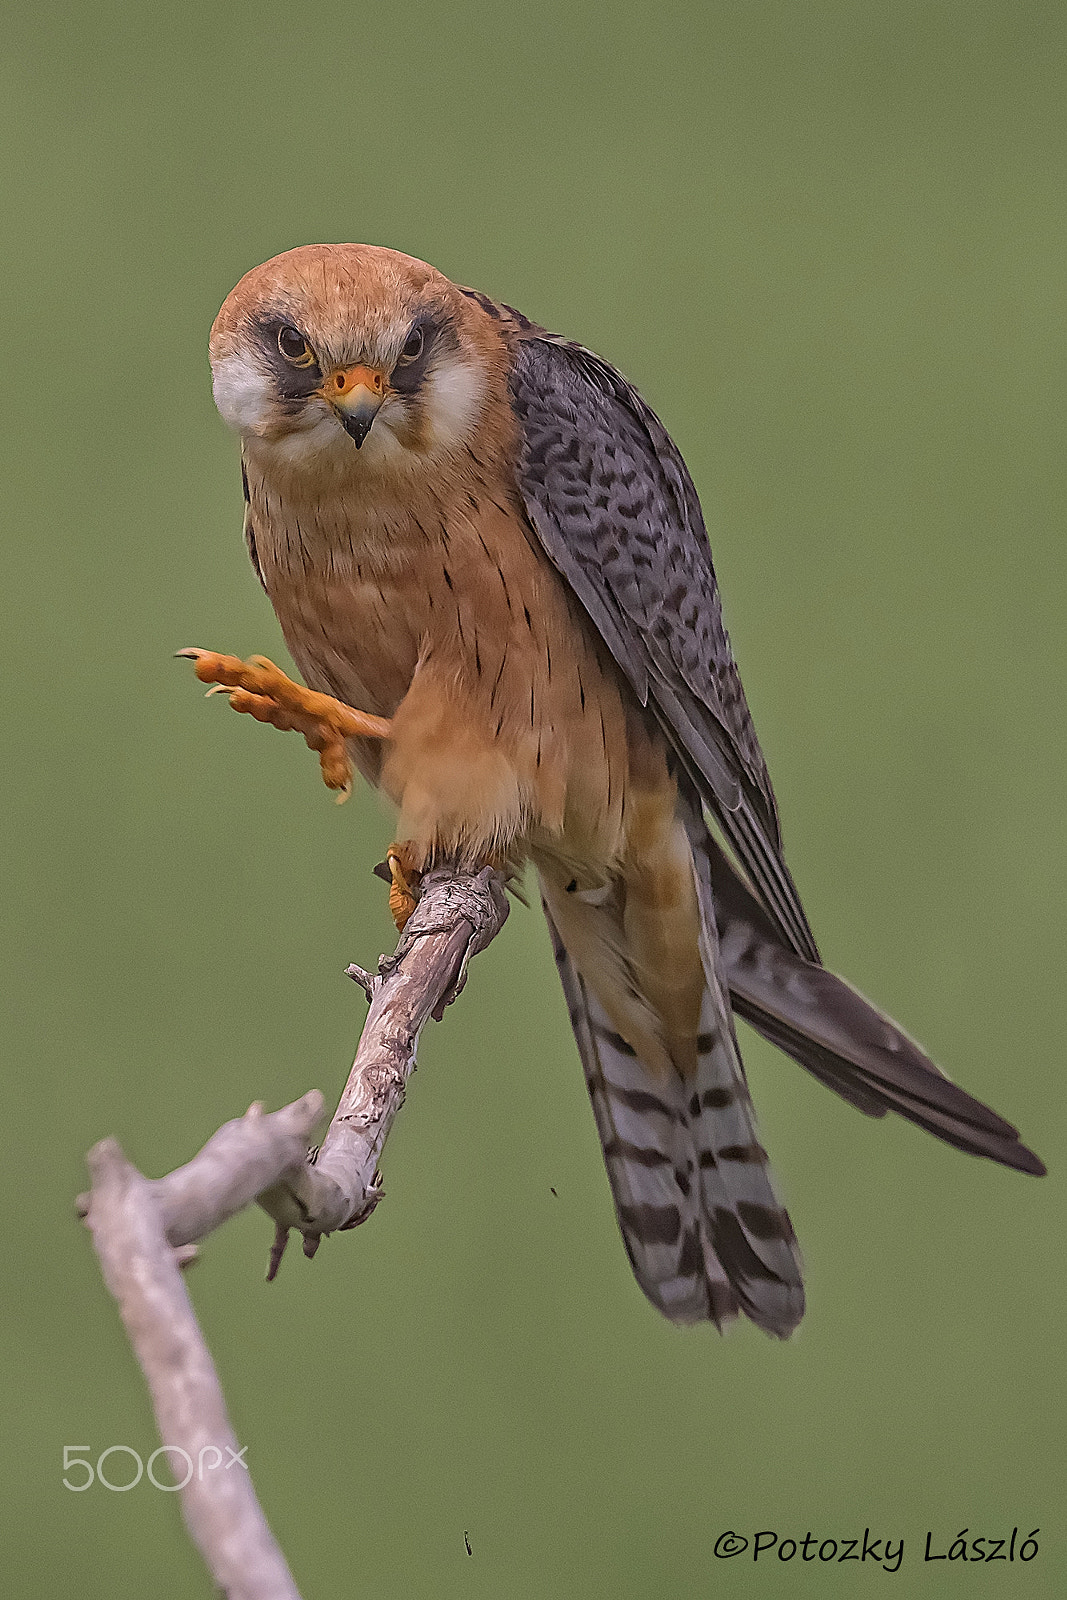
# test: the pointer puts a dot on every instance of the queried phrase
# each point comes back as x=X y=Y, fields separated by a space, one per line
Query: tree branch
x=128 y=1223
x=144 y=1231
x=456 y=916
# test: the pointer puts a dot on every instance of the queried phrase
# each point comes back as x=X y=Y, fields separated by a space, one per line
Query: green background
x=828 y=242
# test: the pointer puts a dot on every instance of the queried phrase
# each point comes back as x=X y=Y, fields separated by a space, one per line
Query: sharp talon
x=262 y=690
x=403 y=896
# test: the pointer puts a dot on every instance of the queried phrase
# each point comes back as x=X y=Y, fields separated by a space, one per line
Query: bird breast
x=512 y=727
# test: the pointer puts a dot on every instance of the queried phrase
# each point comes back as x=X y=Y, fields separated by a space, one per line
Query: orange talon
x=403 y=890
x=263 y=691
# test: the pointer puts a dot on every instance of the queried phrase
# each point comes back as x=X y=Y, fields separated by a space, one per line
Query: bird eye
x=413 y=346
x=295 y=348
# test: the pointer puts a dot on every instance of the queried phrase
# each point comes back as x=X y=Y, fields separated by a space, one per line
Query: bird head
x=359 y=353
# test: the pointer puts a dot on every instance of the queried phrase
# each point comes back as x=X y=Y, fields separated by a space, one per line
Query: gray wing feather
x=610 y=501
x=839 y=1036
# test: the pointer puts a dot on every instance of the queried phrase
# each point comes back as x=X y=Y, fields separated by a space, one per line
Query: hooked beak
x=355 y=394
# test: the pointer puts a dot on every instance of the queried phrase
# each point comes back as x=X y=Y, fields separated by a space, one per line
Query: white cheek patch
x=243 y=394
x=454 y=399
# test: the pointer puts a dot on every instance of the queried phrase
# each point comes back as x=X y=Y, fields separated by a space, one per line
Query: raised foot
x=262 y=690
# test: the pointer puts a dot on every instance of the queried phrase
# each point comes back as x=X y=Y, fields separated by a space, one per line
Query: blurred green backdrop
x=828 y=241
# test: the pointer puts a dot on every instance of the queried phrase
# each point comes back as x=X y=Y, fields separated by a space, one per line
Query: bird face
x=351 y=351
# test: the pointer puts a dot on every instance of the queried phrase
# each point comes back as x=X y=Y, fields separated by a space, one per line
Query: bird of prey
x=490 y=565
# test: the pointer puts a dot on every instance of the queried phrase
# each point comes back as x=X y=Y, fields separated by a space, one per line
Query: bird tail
x=706 y=1234
x=837 y=1034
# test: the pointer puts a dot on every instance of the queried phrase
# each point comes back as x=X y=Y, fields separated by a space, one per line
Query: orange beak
x=355 y=394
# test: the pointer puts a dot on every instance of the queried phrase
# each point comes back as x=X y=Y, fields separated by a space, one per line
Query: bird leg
x=260 y=688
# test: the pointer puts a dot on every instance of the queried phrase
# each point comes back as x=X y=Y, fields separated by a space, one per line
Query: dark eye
x=413 y=345
x=295 y=348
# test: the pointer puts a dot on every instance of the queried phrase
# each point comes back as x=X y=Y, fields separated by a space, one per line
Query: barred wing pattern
x=612 y=503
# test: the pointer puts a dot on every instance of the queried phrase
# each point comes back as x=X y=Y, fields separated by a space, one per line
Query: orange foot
x=404 y=883
x=263 y=690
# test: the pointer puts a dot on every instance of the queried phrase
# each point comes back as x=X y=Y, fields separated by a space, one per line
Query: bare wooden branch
x=144 y=1231
x=456 y=916
x=126 y=1214
x=239 y=1161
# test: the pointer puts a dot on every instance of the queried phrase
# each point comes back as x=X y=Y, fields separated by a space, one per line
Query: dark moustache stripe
x=292 y=383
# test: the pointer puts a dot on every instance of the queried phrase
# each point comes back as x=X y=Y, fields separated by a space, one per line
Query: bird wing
x=839 y=1036
x=610 y=501
x=609 y=498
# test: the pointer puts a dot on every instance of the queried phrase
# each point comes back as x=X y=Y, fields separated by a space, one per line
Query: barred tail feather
x=639 y=1128
x=704 y=1230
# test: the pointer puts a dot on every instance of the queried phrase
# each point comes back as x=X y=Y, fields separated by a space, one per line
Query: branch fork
x=145 y=1231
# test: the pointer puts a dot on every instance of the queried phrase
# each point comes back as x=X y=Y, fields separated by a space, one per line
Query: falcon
x=489 y=563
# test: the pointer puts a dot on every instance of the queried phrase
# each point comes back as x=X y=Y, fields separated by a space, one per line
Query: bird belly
x=494 y=754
